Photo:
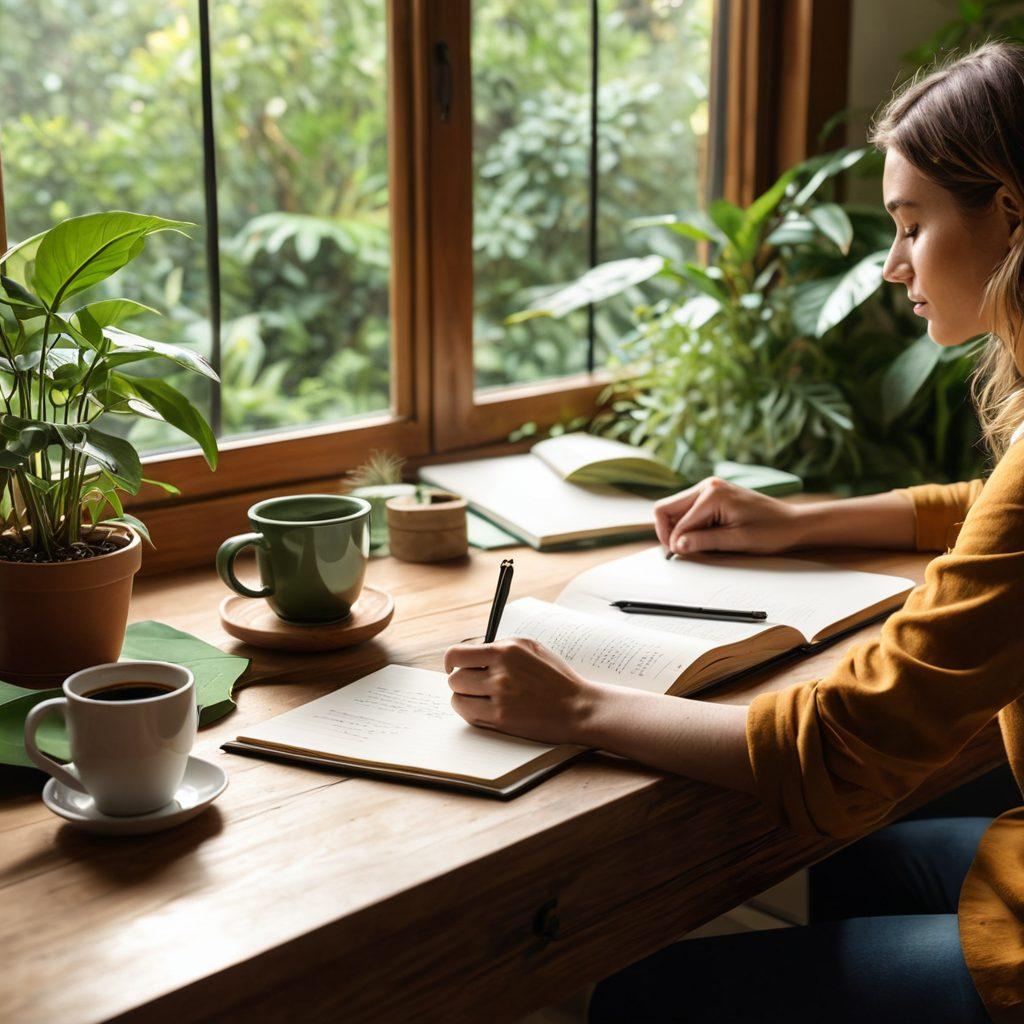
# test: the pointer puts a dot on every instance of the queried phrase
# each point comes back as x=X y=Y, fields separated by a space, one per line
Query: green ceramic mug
x=311 y=552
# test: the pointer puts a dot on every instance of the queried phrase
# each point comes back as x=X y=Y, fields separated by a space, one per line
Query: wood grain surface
x=304 y=895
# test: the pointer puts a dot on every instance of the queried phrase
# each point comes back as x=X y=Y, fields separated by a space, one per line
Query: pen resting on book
x=688 y=611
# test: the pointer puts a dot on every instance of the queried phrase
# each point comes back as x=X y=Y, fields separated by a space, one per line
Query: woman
x=834 y=755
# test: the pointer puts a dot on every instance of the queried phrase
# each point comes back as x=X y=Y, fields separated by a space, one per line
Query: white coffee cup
x=129 y=755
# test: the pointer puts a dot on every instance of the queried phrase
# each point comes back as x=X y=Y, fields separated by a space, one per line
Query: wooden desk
x=307 y=896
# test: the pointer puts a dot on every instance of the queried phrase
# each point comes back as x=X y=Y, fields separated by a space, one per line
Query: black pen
x=500 y=597
x=688 y=611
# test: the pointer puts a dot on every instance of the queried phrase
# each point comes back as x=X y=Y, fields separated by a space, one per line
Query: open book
x=589 y=459
x=564 y=491
x=399 y=721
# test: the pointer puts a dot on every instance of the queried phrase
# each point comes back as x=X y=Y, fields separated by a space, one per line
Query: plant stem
x=42 y=535
x=42 y=364
x=18 y=521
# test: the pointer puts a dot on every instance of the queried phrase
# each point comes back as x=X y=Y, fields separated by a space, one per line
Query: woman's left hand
x=520 y=687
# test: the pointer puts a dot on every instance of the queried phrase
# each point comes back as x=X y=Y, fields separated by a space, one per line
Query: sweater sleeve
x=832 y=756
x=939 y=511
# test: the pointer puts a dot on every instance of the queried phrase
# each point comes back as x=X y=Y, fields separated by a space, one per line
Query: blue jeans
x=883 y=944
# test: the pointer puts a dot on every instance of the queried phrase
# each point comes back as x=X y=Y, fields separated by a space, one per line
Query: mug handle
x=226 y=564
x=62 y=773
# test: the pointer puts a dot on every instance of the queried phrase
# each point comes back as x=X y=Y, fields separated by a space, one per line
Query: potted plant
x=377 y=480
x=68 y=550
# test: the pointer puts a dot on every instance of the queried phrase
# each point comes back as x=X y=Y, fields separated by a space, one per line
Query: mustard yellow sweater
x=832 y=756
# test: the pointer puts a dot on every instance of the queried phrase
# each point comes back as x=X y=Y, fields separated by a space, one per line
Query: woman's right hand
x=715 y=515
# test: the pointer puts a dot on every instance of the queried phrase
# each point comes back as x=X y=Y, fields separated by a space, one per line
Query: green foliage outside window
x=102 y=111
x=532 y=106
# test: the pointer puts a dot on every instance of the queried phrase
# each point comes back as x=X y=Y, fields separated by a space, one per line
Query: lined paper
x=603 y=651
x=398 y=716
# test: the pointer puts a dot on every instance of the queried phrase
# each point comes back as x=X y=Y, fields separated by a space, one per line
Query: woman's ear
x=1010 y=207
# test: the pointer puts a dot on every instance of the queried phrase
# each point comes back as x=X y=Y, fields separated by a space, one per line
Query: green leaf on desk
x=15 y=704
x=215 y=672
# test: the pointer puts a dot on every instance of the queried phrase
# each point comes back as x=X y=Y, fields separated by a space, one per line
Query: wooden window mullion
x=787 y=68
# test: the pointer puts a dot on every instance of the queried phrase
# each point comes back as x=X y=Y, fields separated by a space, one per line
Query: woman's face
x=942 y=255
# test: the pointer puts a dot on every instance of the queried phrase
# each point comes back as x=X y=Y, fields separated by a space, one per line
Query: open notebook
x=564 y=492
x=399 y=722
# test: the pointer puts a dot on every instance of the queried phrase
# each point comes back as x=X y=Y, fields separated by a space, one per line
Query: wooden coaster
x=253 y=621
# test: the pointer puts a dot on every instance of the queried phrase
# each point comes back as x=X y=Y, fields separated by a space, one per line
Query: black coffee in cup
x=129 y=690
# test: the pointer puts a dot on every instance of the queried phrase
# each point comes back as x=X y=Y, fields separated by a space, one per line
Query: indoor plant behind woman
x=68 y=551
x=834 y=756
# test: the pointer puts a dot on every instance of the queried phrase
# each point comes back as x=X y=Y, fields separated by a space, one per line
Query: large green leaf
x=177 y=410
x=841 y=161
x=137 y=347
x=696 y=312
x=728 y=217
x=15 y=704
x=695 y=225
x=856 y=285
x=216 y=674
x=114 y=454
x=699 y=277
x=25 y=437
x=806 y=301
x=832 y=221
x=18 y=259
x=794 y=230
x=906 y=375
x=601 y=282
x=113 y=312
x=22 y=303
x=748 y=237
x=81 y=251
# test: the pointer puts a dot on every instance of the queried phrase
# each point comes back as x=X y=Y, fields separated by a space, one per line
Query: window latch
x=444 y=80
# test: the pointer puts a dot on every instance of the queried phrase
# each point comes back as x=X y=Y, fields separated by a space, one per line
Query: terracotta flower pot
x=56 y=619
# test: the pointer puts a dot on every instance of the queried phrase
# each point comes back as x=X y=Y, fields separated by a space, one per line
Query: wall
x=881 y=31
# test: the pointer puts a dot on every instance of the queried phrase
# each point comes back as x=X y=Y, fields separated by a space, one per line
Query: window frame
x=768 y=120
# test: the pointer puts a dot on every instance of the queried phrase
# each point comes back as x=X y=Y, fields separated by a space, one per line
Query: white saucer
x=203 y=783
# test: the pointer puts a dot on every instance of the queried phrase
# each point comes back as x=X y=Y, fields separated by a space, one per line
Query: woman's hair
x=962 y=125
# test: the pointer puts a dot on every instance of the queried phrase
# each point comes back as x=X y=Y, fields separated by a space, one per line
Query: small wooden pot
x=433 y=530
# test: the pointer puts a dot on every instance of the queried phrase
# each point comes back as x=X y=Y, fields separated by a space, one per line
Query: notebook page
x=809 y=596
x=398 y=716
x=624 y=654
x=569 y=453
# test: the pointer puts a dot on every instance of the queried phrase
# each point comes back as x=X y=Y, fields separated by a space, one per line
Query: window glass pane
x=301 y=117
x=532 y=109
x=531 y=153
x=655 y=72
x=100 y=102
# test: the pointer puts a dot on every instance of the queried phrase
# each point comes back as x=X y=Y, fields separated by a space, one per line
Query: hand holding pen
x=517 y=686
